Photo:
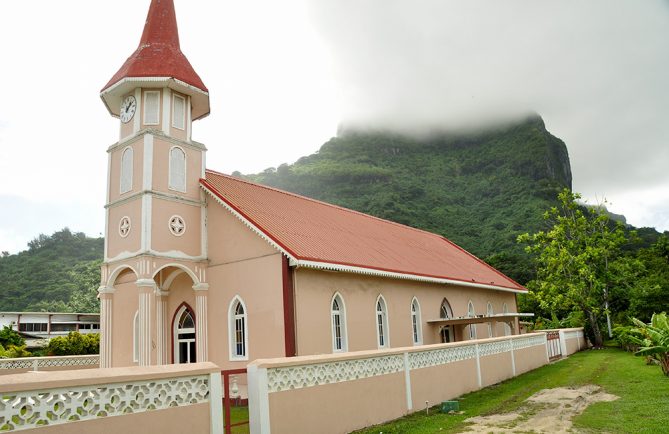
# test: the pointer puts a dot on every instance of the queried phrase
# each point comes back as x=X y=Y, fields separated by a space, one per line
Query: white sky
x=283 y=75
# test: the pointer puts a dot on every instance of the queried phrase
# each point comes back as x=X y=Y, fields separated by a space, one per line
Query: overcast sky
x=283 y=74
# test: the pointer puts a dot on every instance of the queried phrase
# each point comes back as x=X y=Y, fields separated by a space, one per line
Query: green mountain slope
x=480 y=190
x=60 y=272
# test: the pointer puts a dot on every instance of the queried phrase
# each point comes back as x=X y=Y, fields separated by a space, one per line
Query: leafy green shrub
x=624 y=335
x=653 y=339
x=74 y=344
x=9 y=336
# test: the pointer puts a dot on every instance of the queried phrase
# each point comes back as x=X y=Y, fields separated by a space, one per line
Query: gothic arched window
x=338 y=314
x=490 y=313
x=445 y=312
x=471 y=314
x=239 y=332
x=416 y=327
x=382 y=323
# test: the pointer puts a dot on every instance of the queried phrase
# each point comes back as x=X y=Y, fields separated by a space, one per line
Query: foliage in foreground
x=74 y=344
x=643 y=392
x=653 y=339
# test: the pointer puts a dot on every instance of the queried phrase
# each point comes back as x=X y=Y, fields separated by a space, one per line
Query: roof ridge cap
x=299 y=196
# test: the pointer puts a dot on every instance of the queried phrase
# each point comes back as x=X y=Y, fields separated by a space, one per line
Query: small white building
x=36 y=326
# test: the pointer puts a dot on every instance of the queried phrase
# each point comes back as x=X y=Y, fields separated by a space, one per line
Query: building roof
x=159 y=52
x=313 y=232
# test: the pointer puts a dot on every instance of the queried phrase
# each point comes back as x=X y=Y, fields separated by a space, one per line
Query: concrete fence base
x=344 y=392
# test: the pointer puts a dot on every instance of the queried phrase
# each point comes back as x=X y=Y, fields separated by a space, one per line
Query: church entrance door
x=184 y=336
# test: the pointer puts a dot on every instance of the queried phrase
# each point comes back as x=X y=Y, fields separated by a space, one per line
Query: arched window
x=135 y=338
x=490 y=313
x=126 y=170
x=338 y=314
x=471 y=314
x=507 y=327
x=446 y=332
x=177 y=169
x=416 y=325
x=382 y=323
x=238 y=330
x=184 y=335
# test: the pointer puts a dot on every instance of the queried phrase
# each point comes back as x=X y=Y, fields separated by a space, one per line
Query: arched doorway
x=184 y=335
x=446 y=332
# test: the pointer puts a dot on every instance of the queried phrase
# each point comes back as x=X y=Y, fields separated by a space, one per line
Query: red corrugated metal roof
x=316 y=231
x=159 y=53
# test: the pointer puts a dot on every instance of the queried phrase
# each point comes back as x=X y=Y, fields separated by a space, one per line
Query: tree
x=579 y=261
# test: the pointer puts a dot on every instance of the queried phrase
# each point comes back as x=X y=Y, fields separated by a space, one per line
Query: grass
x=643 y=406
x=239 y=414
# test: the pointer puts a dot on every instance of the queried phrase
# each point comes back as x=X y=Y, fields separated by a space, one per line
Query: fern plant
x=653 y=339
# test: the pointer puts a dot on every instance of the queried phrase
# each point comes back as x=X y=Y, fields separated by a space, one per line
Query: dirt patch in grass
x=547 y=411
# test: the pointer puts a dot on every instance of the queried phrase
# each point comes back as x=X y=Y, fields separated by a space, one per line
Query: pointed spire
x=161 y=25
x=159 y=54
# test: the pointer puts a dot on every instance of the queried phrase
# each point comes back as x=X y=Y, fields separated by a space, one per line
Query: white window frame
x=169 y=173
x=416 y=324
x=135 y=338
x=176 y=329
x=129 y=175
x=507 y=327
x=174 y=112
x=382 y=327
x=146 y=108
x=342 y=324
x=490 y=312
x=471 y=313
x=232 y=317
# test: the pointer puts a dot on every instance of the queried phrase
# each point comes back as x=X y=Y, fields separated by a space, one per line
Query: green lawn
x=239 y=414
x=643 y=406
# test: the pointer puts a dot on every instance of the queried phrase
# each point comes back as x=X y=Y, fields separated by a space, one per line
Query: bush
x=74 y=344
x=9 y=336
x=624 y=336
x=653 y=339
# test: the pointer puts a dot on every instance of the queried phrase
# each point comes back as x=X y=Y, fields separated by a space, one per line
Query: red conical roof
x=159 y=53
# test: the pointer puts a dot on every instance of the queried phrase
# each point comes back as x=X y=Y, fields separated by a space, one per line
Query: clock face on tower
x=128 y=108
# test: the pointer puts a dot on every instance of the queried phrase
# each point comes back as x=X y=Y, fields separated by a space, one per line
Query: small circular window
x=124 y=226
x=177 y=225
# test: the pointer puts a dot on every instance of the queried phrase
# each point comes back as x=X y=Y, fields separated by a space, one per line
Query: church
x=202 y=266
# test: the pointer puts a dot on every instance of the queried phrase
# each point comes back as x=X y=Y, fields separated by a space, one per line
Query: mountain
x=58 y=273
x=480 y=190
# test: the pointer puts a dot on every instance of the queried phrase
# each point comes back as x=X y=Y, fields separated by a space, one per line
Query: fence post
x=478 y=365
x=35 y=365
x=215 y=398
x=259 y=422
x=407 y=381
x=513 y=357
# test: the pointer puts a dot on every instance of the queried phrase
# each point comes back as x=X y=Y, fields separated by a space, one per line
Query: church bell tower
x=155 y=210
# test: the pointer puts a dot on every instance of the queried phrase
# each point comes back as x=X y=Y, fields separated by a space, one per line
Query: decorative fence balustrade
x=371 y=387
x=166 y=399
x=15 y=366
